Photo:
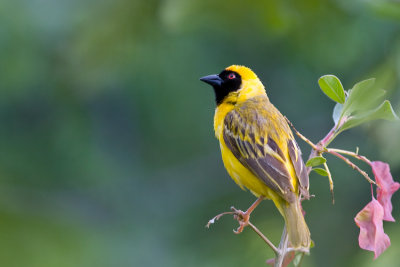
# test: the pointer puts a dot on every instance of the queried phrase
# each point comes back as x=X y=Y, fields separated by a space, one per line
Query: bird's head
x=235 y=83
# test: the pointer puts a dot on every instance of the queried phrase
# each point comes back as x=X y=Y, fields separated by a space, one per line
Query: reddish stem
x=351 y=164
x=328 y=137
x=372 y=191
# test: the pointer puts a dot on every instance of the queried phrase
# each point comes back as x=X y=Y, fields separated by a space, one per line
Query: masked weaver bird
x=258 y=148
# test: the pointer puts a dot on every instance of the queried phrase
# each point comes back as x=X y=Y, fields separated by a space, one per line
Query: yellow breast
x=240 y=174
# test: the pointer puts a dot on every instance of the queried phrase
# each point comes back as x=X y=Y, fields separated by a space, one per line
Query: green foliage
x=332 y=87
x=298 y=259
x=362 y=104
x=362 y=97
x=384 y=111
x=315 y=161
x=320 y=171
x=337 y=112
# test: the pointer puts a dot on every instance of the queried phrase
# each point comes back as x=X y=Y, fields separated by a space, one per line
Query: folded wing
x=252 y=137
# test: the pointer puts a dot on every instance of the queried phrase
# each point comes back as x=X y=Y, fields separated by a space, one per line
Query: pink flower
x=370 y=220
x=387 y=187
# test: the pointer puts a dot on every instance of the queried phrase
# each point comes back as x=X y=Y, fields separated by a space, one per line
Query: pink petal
x=288 y=259
x=387 y=187
x=370 y=220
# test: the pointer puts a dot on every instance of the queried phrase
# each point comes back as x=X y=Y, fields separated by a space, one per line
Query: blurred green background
x=107 y=152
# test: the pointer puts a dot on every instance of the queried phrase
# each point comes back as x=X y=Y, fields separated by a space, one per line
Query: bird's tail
x=297 y=229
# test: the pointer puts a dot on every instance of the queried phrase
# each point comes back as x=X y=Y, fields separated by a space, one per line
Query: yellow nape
x=245 y=72
x=251 y=87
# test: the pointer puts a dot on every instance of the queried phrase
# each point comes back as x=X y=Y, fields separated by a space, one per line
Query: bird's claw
x=242 y=218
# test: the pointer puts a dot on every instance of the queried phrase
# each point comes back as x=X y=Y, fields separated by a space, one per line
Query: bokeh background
x=107 y=153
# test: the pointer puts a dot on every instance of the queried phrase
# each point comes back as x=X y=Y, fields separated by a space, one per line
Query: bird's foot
x=243 y=219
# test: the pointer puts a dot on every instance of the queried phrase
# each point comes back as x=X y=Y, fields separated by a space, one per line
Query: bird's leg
x=244 y=217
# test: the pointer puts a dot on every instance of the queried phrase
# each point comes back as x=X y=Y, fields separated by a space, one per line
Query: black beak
x=213 y=80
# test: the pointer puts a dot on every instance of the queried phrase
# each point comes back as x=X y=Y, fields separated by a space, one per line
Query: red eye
x=231 y=76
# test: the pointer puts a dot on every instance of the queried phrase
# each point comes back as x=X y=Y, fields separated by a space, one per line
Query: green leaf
x=384 y=111
x=315 y=161
x=298 y=259
x=320 y=171
x=353 y=95
x=362 y=97
x=332 y=87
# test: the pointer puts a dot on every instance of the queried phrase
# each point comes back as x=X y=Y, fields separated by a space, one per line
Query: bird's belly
x=241 y=175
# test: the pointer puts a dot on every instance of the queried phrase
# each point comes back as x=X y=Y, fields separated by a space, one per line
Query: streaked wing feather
x=274 y=146
x=299 y=167
x=265 y=160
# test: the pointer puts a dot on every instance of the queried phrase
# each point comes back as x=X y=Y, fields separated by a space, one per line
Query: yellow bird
x=258 y=148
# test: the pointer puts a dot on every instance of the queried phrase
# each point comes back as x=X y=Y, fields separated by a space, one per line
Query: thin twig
x=263 y=237
x=302 y=136
x=353 y=154
x=283 y=248
x=351 y=164
x=302 y=250
x=330 y=182
x=255 y=229
x=216 y=218
x=328 y=138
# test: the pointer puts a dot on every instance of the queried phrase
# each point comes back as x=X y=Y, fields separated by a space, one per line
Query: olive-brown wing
x=299 y=167
x=250 y=144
